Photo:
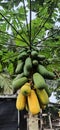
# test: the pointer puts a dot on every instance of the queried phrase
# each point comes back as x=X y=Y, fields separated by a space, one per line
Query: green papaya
x=26 y=71
x=28 y=63
x=22 y=55
x=34 y=54
x=41 y=57
x=35 y=62
x=44 y=72
x=16 y=84
x=39 y=81
x=19 y=67
x=19 y=76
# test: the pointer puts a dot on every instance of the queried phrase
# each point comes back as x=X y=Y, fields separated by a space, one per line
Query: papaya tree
x=30 y=46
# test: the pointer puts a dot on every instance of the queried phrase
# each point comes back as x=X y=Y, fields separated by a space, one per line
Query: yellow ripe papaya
x=33 y=103
x=21 y=101
x=43 y=96
x=26 y=89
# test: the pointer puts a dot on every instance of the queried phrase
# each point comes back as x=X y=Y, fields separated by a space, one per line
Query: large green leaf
x=20 y=42
x=5 y=84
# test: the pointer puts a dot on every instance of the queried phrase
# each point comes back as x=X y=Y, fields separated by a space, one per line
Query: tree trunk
x=32 y=122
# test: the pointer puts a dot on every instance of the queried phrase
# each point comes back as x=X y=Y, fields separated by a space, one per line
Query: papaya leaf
x=5 y=84
x=20 y=42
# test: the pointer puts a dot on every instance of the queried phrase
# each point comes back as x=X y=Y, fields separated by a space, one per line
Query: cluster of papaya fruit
x=34 y=93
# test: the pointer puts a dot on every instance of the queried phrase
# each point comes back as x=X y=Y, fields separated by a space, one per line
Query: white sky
x=53 y=98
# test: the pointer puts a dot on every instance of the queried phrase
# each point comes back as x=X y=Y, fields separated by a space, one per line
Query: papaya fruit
x=44 y=72
x=41 y=57
x=19 y=76
x=19 y=67
x=43 y=96
x=22 y=55
x=27 y=66
x=39 y=81
x=21 y=101
x=34 y=54
x=26 y=89
x=33 y=103
x=26 y=71
x=35 y=62
x=28 y=63
x=18 y=83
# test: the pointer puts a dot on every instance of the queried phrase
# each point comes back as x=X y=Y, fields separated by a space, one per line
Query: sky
x=53 y=98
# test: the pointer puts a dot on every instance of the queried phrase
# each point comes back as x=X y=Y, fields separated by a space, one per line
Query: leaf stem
x=26 y=17
x=30 y=25
x=14 y=28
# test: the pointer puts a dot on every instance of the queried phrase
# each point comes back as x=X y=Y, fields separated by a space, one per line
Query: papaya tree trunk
x=32 y=122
